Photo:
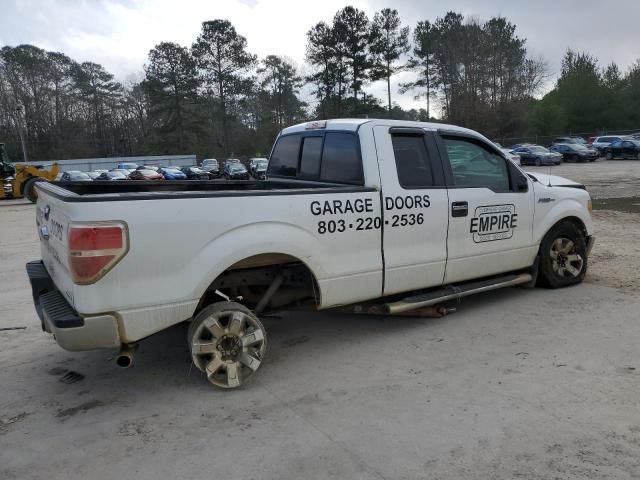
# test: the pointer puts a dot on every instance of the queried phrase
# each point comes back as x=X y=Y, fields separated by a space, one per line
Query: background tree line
x=215 y=98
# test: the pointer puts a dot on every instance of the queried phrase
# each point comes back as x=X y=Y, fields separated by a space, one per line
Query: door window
x=475 y=166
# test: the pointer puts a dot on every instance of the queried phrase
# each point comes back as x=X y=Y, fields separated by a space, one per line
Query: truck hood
x=554 y=180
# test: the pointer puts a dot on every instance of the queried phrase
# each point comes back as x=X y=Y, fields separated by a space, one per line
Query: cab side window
x=475 y=166
x=327 y=156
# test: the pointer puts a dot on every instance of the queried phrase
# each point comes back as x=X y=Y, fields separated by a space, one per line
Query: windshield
x=237 y=168
x=115 y=175
x=209 y=163
x=579 y=146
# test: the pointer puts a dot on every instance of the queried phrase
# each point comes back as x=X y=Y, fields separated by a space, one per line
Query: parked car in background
x=258 y=168
x=514 y=157
x=127 y=165
x=235 y=171
x=195 y=173
x=574 y=152
x=75 y=176
x=576 y=141
x=626 y=148
x=111 y=176
x=601 y=143
x=143 y=174
x=172 y=173
x=537 y=155
x=93 y=175
x=211 y=166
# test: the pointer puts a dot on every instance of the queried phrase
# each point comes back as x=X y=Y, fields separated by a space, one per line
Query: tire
x=575 y=158
x=30 y=191
x=227 y=342
x=538 y=162
x=638 y=156
x=563 y=256
x=608 y=156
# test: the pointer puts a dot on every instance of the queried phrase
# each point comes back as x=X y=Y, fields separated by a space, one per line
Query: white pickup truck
x=387 y=214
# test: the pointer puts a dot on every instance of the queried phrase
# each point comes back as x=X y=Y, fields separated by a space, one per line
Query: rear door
x=490 y=220
x=414 y=208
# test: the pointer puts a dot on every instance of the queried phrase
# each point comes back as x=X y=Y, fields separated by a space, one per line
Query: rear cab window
x=327 y=156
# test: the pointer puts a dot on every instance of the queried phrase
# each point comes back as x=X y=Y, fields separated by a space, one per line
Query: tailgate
x=52 y=222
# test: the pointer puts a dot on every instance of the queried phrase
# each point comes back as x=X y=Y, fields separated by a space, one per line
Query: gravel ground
x=603 y=178
x=534 y=384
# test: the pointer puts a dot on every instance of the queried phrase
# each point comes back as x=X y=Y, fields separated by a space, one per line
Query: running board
x=453 y=292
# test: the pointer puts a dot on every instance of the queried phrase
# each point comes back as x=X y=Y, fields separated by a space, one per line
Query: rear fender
x=259 y=238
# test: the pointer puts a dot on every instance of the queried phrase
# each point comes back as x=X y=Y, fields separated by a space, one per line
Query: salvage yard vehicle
x=625 y=149
x=235 y=171
x=537 y=155
x=572 y=152
x=172 y=173
x=367 y=215
x=19 y=180
x=195 y=173
x=600 y=143
x=258 y=168
x=144 y=174
x=211 y=166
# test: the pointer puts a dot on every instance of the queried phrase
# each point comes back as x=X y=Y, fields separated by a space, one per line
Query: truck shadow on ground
x=162 y=361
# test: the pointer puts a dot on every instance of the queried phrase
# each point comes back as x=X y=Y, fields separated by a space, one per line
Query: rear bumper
x=71 y=330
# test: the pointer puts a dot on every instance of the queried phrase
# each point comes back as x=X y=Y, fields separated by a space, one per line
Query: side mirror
x=522 y=183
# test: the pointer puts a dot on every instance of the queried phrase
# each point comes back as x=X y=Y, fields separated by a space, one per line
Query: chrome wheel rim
x=565 y=260
x=229 y=347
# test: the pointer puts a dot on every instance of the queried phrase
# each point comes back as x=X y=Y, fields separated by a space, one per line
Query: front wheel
x=609 y=156
x=538 y=162
x=563 y=256
x=227 y=342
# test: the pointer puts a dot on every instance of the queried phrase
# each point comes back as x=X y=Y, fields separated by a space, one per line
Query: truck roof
x=353 y=124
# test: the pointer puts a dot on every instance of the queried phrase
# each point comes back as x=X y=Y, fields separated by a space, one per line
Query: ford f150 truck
x=383 y=214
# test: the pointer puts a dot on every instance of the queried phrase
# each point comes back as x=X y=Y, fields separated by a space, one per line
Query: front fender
x=564 y=208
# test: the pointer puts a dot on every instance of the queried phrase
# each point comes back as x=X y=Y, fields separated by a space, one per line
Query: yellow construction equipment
x=18 y=180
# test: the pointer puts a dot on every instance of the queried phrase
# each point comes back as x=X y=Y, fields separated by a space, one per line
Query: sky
x=119 y=33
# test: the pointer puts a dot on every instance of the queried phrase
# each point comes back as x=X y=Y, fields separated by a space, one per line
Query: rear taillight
x=96 y=248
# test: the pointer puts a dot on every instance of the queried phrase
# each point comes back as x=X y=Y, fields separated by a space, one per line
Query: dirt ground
x=520 y=383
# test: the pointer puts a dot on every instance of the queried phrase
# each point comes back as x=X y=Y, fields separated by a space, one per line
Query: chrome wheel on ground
x=228 y=343
x=565 y=259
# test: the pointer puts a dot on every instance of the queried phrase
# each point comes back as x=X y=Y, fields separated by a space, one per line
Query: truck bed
x=99 y=191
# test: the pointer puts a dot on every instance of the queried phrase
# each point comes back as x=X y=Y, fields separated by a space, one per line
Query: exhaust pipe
x=124 y=359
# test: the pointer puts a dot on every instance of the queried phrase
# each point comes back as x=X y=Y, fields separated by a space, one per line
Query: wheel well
x=577 y=222
x=248 y=280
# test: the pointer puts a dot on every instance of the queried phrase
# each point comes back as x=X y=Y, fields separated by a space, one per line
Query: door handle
x=459 y=209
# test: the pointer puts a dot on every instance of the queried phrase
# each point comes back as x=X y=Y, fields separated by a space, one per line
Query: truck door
x=490 y=210
x=414 y=209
